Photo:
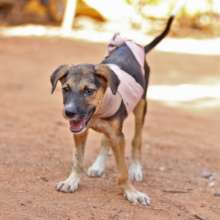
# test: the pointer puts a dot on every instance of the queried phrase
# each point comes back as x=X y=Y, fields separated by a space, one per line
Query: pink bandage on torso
x=129 y=91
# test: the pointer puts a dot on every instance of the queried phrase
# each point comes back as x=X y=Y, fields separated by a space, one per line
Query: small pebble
x=217 y=194
x=44 y=179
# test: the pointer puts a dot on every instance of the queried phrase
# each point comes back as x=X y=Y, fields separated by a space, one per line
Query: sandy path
x=36 y=147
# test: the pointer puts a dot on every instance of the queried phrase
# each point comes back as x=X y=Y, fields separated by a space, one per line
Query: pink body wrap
x=129 y=90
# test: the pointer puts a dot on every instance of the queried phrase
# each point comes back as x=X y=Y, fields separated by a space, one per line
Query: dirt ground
x=181 y=142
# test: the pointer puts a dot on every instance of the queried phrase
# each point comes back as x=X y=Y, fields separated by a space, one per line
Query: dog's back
x=124 y=58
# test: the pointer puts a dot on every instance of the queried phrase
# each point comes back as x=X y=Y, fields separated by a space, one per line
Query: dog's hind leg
x=135 y=169
x=71 y=184
x=98 y=167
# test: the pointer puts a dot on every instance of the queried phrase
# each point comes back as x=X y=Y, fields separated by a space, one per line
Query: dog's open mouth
x=79 y=125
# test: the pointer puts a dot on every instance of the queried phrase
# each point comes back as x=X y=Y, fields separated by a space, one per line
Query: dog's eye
x=66 y=89
x=88 y=92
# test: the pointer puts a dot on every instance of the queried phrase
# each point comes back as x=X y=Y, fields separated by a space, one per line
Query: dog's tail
x=160 y=37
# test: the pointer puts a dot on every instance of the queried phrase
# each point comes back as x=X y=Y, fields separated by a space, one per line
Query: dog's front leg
x=98 y=167
x=113 y=131
x=71 y=184
x=134 y=196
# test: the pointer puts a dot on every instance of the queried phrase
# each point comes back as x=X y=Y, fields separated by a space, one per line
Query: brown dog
x=84 y=88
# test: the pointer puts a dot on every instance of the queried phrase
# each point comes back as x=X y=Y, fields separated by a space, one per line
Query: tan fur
x=139 y=113
x=80 y=141
x=112 y=130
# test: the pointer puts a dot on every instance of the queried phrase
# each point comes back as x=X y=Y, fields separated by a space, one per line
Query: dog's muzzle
x=79 y=124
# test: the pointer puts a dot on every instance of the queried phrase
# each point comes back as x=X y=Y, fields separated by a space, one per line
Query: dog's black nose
x=70 y=114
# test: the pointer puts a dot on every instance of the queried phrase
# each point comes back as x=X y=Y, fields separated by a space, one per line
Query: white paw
x=69 y=185
x=95 y=172
x=136 y=172
x=98 y=167
x=137 y=197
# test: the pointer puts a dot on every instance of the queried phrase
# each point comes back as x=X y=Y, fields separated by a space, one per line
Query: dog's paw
x=136 y=172
x=137 y=197
x=69 y=185
x=95 y=171
x=98 y=167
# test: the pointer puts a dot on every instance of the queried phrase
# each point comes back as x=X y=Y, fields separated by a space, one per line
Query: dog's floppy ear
x=112 y=79
x=57 y=74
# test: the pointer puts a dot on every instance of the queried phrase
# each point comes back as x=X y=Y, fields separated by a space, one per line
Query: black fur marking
x=159 y=38
x=124 y=58
x=60 y=72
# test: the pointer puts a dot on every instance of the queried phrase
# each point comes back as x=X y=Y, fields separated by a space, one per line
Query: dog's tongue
x=77 y=125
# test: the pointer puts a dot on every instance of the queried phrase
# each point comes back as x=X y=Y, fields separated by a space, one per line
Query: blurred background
x=198 y=18
x=181 y=151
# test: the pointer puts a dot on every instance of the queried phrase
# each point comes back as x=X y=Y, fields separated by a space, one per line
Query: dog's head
x=83 y=88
